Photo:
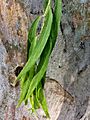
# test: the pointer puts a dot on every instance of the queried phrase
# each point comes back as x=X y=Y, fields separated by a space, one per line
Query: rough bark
x=69 y=97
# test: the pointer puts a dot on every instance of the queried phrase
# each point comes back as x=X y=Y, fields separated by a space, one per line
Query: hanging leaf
x=39 y=48
x=45 y=32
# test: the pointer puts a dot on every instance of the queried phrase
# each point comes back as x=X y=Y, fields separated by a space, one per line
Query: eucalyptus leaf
x=40 y=44
x=32 y=41
x=39 y=49
x=39 y=75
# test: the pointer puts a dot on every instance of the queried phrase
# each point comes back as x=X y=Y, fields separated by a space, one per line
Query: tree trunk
x=67 y=87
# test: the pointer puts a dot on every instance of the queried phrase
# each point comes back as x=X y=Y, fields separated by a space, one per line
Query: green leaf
x=52 y=38
x=25 y=86
x=32 y=102
x=56 y=21
x=23 y=92
x=32 y=36
x=42 y=100
x=31 y=45
x=31 y=42
x=37 y=78
x=39 y=49
x=46 y=2
x=40 y=44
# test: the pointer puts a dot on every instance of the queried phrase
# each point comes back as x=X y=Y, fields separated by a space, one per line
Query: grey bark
x=69 y=97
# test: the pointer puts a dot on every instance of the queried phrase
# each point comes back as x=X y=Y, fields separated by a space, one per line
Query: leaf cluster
x=39 y=48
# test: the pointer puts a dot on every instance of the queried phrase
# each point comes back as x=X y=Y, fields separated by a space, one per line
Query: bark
x=67 y=87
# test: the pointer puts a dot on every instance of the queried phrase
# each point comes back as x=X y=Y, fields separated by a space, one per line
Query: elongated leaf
x=42 y=101
x=31 y=46
x=25 y=87
x=41 y=98
x=39 y=75
x=55 y=28
x=32 y=102
x=39 y=48
x=56 y=21
x=41 y=43
x=36 y=101
x=32 y=35
x=37 y=78
x=46 y=4
x=52 y=38
x=22 y=81
x=23 y=93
